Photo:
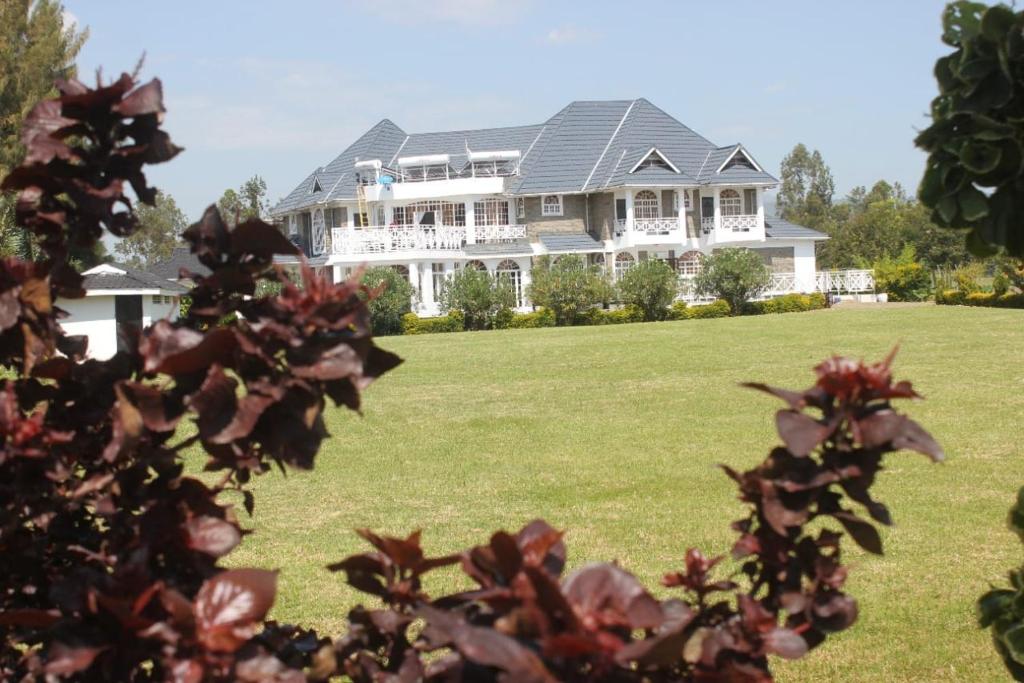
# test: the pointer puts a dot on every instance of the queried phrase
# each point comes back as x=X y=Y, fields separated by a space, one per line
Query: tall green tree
x=36 y=48
x=248 y=201
x=807 y=189
x=160 y=228
x=735 y=275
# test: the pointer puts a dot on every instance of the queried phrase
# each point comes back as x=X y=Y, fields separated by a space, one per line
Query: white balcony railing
x=648 y=226
x=845 y=281
x=380 y=239
x=707 y=225
x=740 y=223
x=500 y=233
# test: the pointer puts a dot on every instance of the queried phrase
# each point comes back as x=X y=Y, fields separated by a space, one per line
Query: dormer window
x=739 y=159
x=656 y=160
x=551 y=205
x=316 y=186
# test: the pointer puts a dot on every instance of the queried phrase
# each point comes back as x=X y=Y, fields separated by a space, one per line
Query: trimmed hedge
x=954 y=297
x=507 y=319
x=788 y=303
x=598 y=316
x=716 y=309
x=413 y=324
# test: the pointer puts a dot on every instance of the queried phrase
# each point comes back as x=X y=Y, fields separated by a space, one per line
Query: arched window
x=402 y=270
x=645 y=205
x=689 y=263
x=729 y=203
x=476 y=265
x=510 y=269
x=623 y=262
x=551 y=205
x=597 y=260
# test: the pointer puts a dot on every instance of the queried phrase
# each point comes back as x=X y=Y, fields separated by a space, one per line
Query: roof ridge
x=608 y=144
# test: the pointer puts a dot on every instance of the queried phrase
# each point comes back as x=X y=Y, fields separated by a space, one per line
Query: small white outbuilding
x=119 y=302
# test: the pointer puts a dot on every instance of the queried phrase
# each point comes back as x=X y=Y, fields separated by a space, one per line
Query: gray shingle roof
x=180 y=258
x=587 y=146
x=570 y=242
x=776 y=228
x=129 y=279
x=498 y=248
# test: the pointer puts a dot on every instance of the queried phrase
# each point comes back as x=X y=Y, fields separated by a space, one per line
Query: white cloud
x=461 y=12
x=774 y=88
x=570 y=34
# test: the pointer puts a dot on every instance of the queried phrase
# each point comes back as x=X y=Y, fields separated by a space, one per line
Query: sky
x=280 y=88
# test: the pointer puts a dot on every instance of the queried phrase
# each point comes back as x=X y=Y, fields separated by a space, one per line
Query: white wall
x=92 y=316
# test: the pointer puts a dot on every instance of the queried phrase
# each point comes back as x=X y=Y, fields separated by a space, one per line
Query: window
x=510 y=269
x=750 y=201
x=729 y=203
x=689 y=263
x=491 y=212
x=653 y=161
x=740 y=160
x=335 y=218
x=551 y=205
x=597 y=260
x=623 y=262
x=438 y=275
x=157 y=299
x=444 y=213
x=645 y=205
x=403 y=271
x=476 y=265
x=520 y=207
x=316 y=186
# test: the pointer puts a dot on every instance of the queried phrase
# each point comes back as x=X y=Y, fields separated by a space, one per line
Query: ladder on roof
x=364 y=212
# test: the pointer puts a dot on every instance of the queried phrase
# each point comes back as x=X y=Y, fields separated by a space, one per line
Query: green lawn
x=612 y=433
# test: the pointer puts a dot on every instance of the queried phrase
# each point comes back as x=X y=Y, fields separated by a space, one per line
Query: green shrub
x=543 y=317
x=967 y=277
x=392 y=301
x=567 y=286
x=716 y=309
x=477 y=295
x=596 y=316
x=952 y=297
x=903 y=278
x=650 y=285
x=787 y=303
x=677 y=311
x=1000 y=284
x=733 y=275
x=413 y=324
x=503 y=318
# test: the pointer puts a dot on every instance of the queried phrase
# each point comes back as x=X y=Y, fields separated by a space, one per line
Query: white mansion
x=614 y=181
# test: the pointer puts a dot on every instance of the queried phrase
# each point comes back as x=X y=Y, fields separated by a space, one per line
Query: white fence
x=825 y=281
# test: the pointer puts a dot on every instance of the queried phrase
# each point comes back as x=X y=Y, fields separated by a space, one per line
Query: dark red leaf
x=146 y=99
x=230 y=606
x=611 y=595
x=801 y=433
x=862 y=531
x=212 y=535
x=786 y=643
x=63 y=660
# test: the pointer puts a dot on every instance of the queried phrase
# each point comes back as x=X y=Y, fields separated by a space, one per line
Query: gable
x=654 y=160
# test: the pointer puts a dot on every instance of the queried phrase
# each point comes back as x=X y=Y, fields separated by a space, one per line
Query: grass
x=612 y=433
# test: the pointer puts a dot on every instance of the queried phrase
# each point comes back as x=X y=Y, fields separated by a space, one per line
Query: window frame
x=735 y=199
x=557 y=209
x=647 y=205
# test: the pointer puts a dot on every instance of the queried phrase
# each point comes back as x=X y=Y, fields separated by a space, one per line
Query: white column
x=718 y=209
x=760 y=209
x=629 y=210
x=427 y=296
x=352 y=215
x=525 y=279
x=804 y=265
x=414 y=280
x=681 y=211
x=470 y=223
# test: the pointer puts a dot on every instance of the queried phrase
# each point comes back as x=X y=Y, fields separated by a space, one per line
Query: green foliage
x=1000 y=284
x=903 y=278
x=974 y=175
x=509 y=319
x=160 y=229
x=478 y=295
x=967 y=277
x=630 y=313
x=651 y=286
x=413 y=324
x=249 y=201
x=805 y=196
x=392 y=302
x=1001 y=610
x=788 y=303
x=716 y=309
x=567 y=286
x=35 y=49
x=954 y=297
x=735 y=275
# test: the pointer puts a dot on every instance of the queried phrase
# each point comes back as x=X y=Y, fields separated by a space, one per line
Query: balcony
x=734 y=228
x=403 y=239
x=644 y=231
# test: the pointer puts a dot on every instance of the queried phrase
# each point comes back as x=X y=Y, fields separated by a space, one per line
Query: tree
x=393 y=300
x=250 y=201
x=735 y=275
x=805 y=196
x=478 y=295
x=36 y=48
x=651 y=285
x=160 y=229
x=566 y=286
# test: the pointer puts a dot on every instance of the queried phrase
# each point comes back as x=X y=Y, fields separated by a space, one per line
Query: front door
x=128 y=320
